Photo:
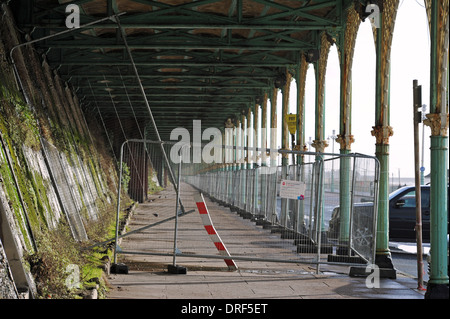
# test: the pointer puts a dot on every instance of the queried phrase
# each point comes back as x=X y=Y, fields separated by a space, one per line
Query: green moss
x=153 y=187
x=125 y=177
x=94 y=174
x=13 y=195
x=21 y=125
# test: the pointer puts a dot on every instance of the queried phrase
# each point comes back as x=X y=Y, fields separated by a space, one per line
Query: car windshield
x=396 y=192
x=412 y=191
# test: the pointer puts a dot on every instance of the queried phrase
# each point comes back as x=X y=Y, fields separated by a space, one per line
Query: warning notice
x=292 y=189
x=291 y=120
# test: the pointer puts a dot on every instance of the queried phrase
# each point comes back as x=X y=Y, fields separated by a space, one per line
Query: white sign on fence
x=292 y=189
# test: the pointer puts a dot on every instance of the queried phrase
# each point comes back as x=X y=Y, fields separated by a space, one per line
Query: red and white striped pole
x=207 y=223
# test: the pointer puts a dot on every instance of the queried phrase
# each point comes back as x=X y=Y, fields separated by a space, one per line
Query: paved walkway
x=210 y=279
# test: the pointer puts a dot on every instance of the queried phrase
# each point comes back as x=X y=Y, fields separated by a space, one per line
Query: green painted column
x=320 y=68
x=264 y=129
x=228 y=155
x=264 y=197
x=237 y=162
x=300 y=79
x=273 y=94
x=255 y=158
x=438 y=120
x=249 y=139
x=383 y=255
x=244 y=141
x=235 y=144
x=346 y=46
x=273 y=127
x=284 y=126
x=250 y=184
x=243 y=164
x=344 y=200
x=320 y=143
x=256 y=135
x=382 y=130
x=285 y=144
x=438 y=210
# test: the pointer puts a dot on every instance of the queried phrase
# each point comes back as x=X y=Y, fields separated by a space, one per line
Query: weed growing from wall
x=56 y=250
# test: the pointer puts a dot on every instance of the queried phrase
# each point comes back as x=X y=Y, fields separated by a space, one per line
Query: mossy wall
x=55 y=169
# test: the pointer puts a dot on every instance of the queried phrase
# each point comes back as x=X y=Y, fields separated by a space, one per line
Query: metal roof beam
x=249 y=45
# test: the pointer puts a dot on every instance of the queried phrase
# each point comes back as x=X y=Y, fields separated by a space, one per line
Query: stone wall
x=55 y=168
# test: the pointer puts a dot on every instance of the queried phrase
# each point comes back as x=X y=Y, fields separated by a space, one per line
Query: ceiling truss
x=208 y=59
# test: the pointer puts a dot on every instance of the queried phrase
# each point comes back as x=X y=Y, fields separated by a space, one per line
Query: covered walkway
x=196 y=71
x=148 y=277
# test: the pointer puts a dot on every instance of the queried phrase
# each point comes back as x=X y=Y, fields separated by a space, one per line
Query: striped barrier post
x=209 y=227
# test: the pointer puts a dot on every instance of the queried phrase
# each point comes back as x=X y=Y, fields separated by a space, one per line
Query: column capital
x=319 y=145
x=298 y=148
x=345 y=141
x=438 y=122
x=382 y=134
x=229 y=123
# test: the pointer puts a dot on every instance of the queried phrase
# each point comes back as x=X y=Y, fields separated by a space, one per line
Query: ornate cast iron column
x=273 y=127
x=284 y=126
x=301 y=84
x=285 y=88
x=320 y=143
x=382 y=130
x=346 y=48
x=438 y=121
x=256 y=135
x=264 y=130
x=300 y=145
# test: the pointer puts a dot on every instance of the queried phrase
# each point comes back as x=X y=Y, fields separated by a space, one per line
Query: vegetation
x=61 y=266
x=153 y=185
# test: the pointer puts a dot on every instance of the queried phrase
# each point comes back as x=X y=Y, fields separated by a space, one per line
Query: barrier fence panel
x=313 y=221
x=321 y=210
x=352 y=181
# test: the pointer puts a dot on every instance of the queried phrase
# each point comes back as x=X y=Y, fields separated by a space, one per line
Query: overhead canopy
x=207 y=60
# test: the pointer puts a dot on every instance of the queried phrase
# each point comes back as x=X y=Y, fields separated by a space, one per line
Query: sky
x=410 y=59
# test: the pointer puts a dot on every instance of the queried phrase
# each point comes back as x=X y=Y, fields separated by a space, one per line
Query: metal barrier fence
x=314 y=220
x=321 y=211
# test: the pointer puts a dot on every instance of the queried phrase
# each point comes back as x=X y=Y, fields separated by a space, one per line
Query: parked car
x=402 y=214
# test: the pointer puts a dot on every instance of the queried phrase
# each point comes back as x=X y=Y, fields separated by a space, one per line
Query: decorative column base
x=437 y=291
x=385 y=268
x=384 y=261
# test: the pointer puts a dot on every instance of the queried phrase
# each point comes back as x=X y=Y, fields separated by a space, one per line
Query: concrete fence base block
x=178 y=270
x=119 y=269
x=346 y=259
x=383 y=272
x=437 y=291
